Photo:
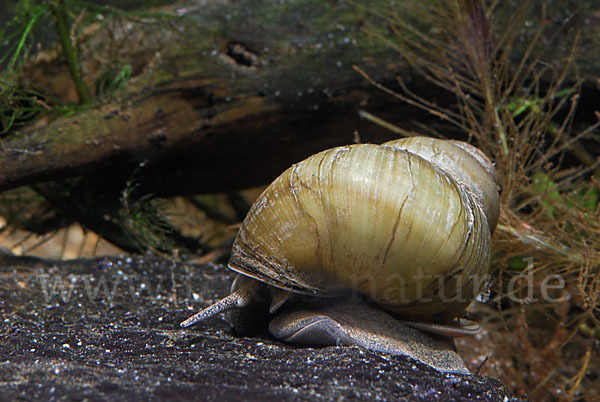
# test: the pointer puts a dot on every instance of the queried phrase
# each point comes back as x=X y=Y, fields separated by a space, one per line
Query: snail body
x=406 y=225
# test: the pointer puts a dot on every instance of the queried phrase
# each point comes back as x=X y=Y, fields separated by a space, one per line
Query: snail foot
x=455 y=329
x=357 y=323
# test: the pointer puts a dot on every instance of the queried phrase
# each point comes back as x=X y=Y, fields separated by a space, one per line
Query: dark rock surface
x=108 y=328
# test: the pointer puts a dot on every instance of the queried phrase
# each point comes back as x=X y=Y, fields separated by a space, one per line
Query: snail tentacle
x=244 y=292
x=278 y=299
x=226 y=303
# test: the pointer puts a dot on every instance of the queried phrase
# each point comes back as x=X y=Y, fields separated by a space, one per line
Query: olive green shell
x=370 y=219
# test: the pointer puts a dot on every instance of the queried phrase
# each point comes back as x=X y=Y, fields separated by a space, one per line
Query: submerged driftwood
x=108 y=328
x=244 y=90
x=229 y=96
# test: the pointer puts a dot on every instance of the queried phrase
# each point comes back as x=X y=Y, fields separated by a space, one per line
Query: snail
x=350 y=241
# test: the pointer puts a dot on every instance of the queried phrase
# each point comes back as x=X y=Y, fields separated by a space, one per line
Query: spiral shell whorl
x=374 y=219
x=467 y=165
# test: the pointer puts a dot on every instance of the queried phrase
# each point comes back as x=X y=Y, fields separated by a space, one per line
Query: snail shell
x=389 y=221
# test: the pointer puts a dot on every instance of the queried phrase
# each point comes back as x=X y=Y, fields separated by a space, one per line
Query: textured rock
x=107 y=328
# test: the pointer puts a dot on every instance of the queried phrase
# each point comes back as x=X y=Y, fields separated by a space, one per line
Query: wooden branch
x=242 y=91
x=227 y=106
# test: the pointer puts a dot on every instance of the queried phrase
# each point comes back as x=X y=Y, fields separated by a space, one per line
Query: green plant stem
x=65 y=39
x=500 y=130
x=24 y=36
